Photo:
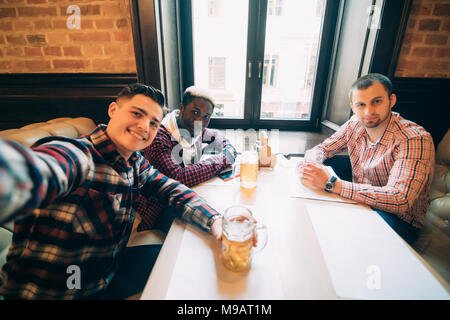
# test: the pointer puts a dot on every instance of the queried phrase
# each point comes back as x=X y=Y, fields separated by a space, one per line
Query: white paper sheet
x=366 y=259
x=216 y=181
x=298 y=190
x=199 y=273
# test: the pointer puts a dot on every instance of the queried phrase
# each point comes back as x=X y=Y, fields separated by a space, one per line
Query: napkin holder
x=265 y=156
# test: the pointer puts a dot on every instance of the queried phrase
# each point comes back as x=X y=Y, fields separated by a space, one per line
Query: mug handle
x=262 y=237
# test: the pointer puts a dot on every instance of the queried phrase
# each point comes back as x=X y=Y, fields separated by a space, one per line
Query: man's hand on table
x=317 y=176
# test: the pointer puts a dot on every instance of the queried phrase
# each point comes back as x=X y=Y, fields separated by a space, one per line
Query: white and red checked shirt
x=393 y=174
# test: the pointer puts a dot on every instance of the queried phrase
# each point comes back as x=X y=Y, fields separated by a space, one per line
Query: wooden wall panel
x=28 y=98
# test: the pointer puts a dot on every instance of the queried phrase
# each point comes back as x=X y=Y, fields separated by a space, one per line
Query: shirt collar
x=360 y=130
x=104 y=145
x=389 y=131
x=385 y=137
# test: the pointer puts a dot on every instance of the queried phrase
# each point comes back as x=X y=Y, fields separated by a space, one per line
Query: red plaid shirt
x=160 y=155
x=393 y=174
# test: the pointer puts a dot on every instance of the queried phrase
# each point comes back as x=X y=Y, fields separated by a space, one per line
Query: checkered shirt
x=85 y=192
x=393 y=174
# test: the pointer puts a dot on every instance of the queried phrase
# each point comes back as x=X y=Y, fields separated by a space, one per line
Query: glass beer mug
x=314 y=156
x=239 y=228
x=248 y=169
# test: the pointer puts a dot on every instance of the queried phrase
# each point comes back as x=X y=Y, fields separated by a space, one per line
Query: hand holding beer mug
x=313 y=156
x=248 y=169
x=239 y=232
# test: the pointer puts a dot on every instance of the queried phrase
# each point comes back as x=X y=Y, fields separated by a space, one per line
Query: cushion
x=58 y=120
x=33 y=125
x=29 y=137
x=443 y=150
x=83 y=125
x=60 y=129
x=8 y=132
x=5 y=242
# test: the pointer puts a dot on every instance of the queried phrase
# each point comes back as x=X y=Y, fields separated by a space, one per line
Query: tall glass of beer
x=248 y=169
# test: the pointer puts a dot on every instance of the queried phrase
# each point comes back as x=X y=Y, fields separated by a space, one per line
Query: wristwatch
x=329 y=186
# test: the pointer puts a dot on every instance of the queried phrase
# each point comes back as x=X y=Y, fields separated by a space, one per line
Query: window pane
x=220 y=52
x=217 y=73
x=212 y=7
x=292 y=44
x=278 y=7
x=270 y=7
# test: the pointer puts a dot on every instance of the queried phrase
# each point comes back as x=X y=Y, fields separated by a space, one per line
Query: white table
x=292 y=266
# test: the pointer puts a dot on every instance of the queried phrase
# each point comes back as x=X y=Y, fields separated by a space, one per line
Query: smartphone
x=226 y=176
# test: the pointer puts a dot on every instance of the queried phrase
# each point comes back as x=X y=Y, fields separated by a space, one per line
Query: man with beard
x=392 y=158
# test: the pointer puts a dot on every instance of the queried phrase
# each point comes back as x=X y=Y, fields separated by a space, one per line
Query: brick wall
x=35 y=37
x=426 y=46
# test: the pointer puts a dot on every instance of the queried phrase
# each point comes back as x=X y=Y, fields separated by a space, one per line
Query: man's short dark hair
x=196 y=92
x=369 y=79
x=147 y=90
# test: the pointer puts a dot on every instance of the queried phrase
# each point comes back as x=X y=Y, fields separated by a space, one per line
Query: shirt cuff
x=347 y=190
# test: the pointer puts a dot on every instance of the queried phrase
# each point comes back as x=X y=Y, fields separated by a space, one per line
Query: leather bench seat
x=434 y=242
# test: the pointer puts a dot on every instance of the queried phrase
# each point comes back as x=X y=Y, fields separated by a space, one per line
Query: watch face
x=330 y=184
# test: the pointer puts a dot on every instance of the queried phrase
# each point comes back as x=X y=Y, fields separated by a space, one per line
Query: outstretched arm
x=187 y=204
x=32 y=179
x=336 y=143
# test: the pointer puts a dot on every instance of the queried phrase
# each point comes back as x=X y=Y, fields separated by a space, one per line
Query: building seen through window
x=213 y=8
x=270 y=70
x=274 y=7
x=216 y=73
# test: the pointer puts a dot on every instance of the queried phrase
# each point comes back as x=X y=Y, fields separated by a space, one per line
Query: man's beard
x=375 y=123
x=372 y=124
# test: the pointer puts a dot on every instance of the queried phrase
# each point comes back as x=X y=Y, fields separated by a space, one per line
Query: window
x=270 y=70
x=218 y=110
x=274 y=7
x=295 y=39
x=310 y=71
x=213 y=8
x=260 y=69
x=216 y=73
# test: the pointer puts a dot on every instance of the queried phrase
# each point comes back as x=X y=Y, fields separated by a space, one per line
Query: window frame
x=255 y=54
